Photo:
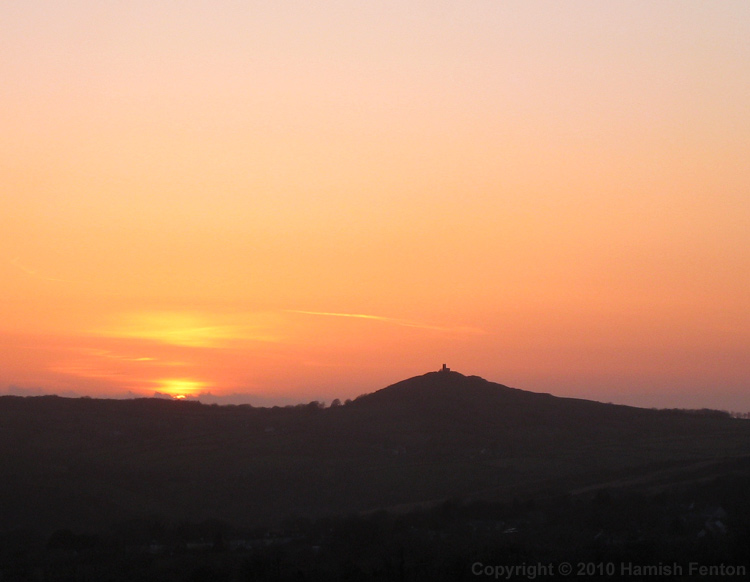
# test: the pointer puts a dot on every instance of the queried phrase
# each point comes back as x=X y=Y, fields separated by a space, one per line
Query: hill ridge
x=88 y=463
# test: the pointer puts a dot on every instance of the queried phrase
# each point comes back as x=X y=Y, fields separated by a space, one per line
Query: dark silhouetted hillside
x=86 y=464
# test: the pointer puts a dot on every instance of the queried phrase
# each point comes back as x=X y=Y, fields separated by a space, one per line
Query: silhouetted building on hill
x=445 y=368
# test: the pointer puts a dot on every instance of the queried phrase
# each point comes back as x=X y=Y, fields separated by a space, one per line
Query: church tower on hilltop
x=445 y=368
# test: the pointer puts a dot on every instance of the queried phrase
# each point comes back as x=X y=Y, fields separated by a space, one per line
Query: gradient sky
x=297 y=200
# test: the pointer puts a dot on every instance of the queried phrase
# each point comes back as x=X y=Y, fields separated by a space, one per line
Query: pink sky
x=313 y=200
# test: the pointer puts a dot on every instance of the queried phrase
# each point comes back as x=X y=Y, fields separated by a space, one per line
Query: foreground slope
x=86 y=463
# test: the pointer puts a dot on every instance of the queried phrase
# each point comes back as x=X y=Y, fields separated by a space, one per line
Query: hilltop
x=89 y=463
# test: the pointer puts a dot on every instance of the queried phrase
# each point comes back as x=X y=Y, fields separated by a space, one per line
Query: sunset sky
x=310 y=200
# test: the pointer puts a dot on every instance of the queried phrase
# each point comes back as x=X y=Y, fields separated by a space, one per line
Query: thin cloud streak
x=16 y=262
x=189 y=329
x=392 y=321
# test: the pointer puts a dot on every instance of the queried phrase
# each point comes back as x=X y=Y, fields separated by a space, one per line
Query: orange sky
x=312 y=200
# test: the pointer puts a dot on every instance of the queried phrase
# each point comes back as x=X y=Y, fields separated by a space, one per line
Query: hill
x=87 y=464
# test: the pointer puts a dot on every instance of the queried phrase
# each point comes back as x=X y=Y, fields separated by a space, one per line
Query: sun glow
x=181 y=329
x=551 y=197
x=188 y=329
x=180 y=388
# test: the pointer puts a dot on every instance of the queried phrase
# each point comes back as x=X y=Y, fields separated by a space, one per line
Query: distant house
x=445 y=368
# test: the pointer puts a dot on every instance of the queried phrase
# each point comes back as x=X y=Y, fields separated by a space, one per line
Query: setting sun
x=181 y=388
x=316 y=289
x=300 y=200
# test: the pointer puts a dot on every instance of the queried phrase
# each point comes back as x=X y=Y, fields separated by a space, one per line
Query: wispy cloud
x=107 y=354
x=393 y=321
x=190 y=329
x=16 y=262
